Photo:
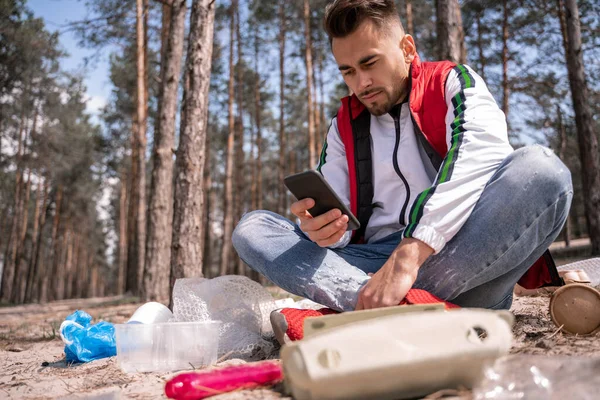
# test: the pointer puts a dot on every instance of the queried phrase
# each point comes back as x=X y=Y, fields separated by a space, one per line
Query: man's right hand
x=324 y=230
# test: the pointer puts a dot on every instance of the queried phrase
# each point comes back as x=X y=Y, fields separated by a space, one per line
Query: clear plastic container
x=165 y=347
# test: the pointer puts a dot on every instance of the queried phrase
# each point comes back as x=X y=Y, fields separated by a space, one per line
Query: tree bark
x=588 y=139
x=160 y=207
x=142 y=115
x=562 y=150
x=450 y=34
x=239 y=174
x=186 y=257
x=258 y=107
x=33 y=280
x=505 y=83
x=282 y=204
x=20 y=277
x=482 y=63
x=132 y=211
x=409 y=18
x=228 y=197
x=123 y=206
x=59 y=262
x=312 y=146
x=9 y=269
x=46 y=274
x=206 y=248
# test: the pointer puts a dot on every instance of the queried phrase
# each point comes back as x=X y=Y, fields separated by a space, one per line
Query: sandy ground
x=32 y=361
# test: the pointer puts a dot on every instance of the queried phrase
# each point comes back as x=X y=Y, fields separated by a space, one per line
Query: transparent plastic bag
x=243 y=307
x=85 y=342
x=540 y=377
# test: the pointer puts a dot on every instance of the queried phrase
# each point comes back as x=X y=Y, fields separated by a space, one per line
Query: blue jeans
x=519 y=214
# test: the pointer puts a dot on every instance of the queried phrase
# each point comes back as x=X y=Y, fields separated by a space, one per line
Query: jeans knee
x=541 y=169
x=246 y=228
x=251 y=228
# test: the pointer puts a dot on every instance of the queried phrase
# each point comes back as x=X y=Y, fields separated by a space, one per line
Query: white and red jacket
x=422 y=167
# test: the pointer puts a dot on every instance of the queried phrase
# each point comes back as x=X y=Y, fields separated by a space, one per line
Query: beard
x=387 y=99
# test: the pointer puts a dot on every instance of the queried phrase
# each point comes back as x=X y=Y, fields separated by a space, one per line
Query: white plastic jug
x=397 y=356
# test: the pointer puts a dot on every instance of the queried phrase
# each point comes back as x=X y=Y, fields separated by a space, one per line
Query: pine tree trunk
x=282 y=145
x=239 y=191
x=478 y=16
x=33 y=281
x=123 y=206
x=409 y=18
x=588 y=139
x=312 y=146
x=252 y=157
x=69 y=270
x=450 y=34
x=228 y=197
x=562 y=132
x=160 y=207
x=258 y=108
x=505 y=83
x=132 y=210
x=34 y=236
x=323 y=133
x=142 y=113
x=20 y=277
x=48 y=289
x=46 y=267
x=9 y=269
x=186 y=256
x=563 y=25
x=59 y=262
x=316 y=109
x=83 y=272
x=206 y=248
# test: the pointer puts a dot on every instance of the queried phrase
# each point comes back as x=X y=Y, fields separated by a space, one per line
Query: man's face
x=375 y=65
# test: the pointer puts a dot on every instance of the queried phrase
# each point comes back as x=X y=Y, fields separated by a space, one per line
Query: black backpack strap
x=434 y=157
x=361 y=133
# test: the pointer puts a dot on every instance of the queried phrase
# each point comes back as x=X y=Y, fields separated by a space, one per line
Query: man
x=421 y=154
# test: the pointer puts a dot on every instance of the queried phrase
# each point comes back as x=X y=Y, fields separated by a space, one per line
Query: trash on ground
x=85 y=342
x=168 y=346
x=243 y=307
x=429 y=350
x=200 y=385
x=540 y=377
x=151 y=313
x=575 y=308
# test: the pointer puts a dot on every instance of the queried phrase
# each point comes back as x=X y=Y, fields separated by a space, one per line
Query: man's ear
x=407 y=44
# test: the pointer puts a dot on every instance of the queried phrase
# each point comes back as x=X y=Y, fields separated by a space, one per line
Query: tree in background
x=450 y=34
x=186 y=257
x=588 y=139
x=160 y=207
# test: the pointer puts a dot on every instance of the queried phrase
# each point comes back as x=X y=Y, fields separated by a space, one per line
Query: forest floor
x=32 y=361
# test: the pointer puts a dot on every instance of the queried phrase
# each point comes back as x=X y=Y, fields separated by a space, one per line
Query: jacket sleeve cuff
x=430 y=237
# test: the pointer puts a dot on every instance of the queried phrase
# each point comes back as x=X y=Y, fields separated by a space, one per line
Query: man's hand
x=324 y=230
x=388 y=286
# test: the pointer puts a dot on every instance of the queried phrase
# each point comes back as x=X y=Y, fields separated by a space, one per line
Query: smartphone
x=311 y=184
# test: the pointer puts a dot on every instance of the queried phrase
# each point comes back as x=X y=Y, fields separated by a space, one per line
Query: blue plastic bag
x=85 y=342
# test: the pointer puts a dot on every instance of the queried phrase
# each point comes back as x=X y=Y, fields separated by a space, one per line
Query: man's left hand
x=388 y=286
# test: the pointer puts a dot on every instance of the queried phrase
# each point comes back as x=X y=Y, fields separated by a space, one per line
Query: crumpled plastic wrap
x=540 y=377
x=85 y=342
x=242 y=305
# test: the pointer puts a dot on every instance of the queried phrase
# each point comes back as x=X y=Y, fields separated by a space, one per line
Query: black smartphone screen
x=310 y=184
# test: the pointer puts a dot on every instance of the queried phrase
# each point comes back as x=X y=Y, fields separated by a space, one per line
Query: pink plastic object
x=200 y=385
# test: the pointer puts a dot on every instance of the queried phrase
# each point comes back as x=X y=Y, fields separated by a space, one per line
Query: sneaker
x=288 y=323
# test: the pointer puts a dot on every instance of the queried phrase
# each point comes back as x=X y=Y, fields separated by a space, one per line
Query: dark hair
x=342 y=17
